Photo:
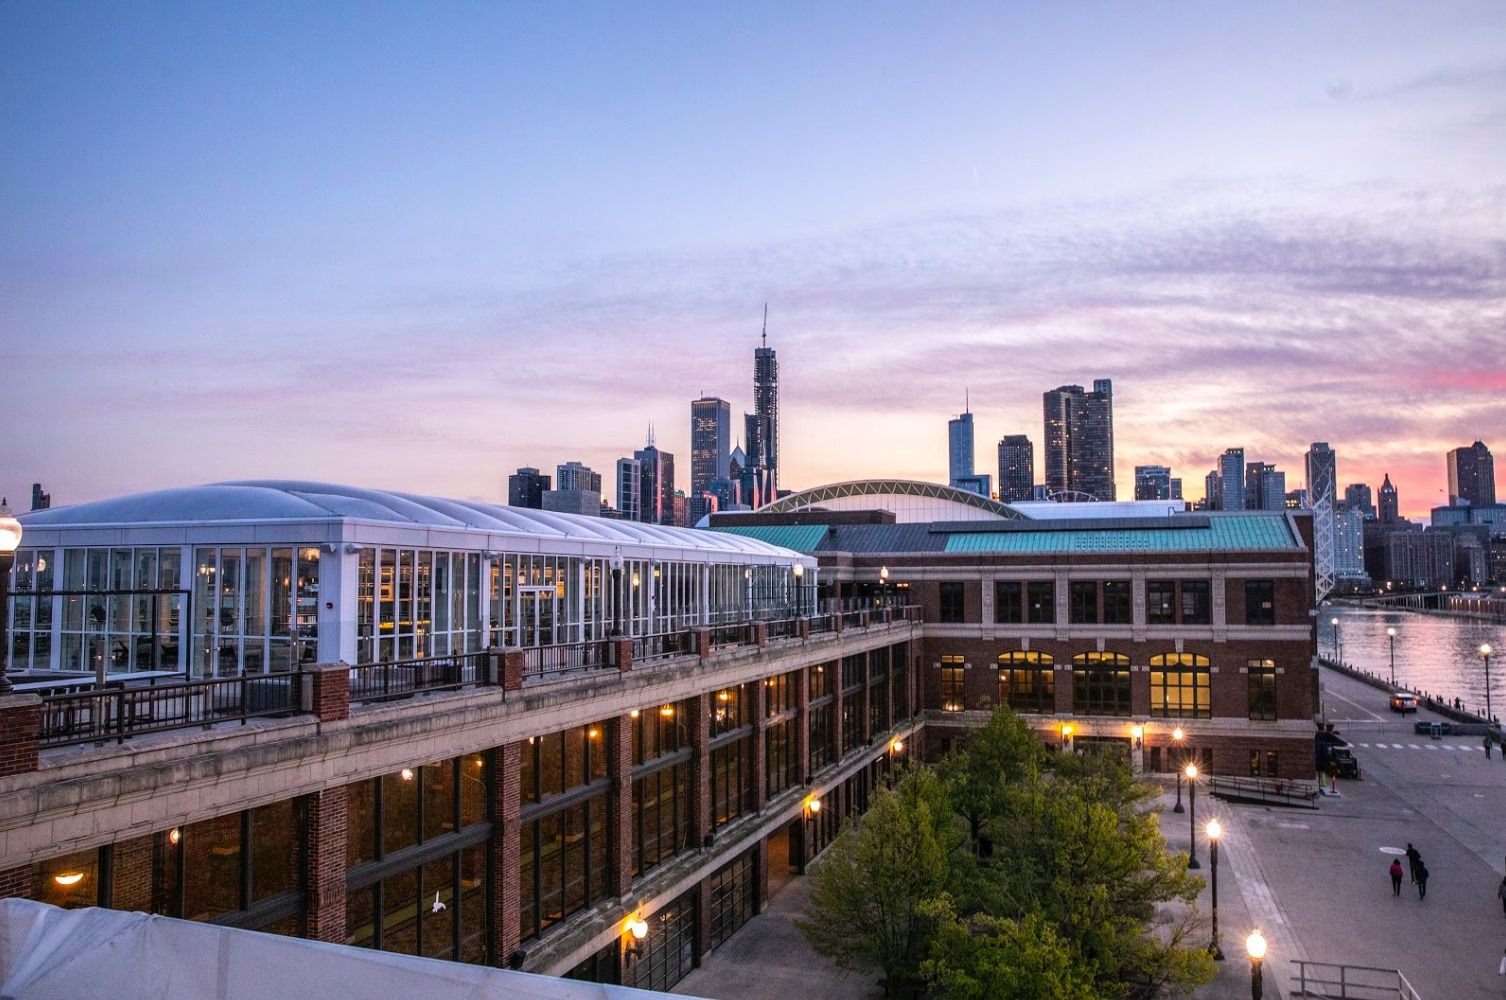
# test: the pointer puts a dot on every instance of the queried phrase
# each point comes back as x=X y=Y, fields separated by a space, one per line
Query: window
x=1116 y=602
x=1261 y=684
x=661 y=815
x=779 y=694
x=1007 y=604
x=1179 y=686
x=564 y=862
x=1161 y=602
x=781 y=766
x=731 y=781
x=734 y=898
x=952 y=607
x=951 y=684
x=1197 y=603
x=554 y=764
x=1027 y=681
x=819 y=680
x=1260 y=602
x=1082 y=602
x=1101 y=684
x=823 y=736
x=1040 y=602
x=1263 y=764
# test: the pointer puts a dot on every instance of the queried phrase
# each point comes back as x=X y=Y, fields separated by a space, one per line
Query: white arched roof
x=271 y=501
x=909 y=501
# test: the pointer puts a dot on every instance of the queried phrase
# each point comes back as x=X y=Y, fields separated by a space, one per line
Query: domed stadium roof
x=908 y=500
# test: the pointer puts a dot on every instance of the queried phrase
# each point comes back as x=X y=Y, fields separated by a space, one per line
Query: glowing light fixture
x=406 y=774
x=68 y=878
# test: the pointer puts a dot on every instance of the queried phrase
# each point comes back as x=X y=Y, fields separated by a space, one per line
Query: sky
x=417 y=246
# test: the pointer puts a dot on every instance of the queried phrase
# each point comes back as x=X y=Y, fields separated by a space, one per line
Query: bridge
x=1478 y=605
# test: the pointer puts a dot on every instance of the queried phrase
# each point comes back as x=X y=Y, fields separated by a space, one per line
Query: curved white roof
x=264 y=501
x=909 y=501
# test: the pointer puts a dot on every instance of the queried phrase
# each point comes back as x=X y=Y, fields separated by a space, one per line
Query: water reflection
x=1433 y=654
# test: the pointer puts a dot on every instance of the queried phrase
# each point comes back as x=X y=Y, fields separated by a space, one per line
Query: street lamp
x=1066 y=735
x=1391 y=634
x=1214 y=830
x=799 y=570
x=1338 y=646
x=1192 y=816
x=616 y=592
x=10 y=537
x=1137 y=733
x=884 y=584
x=1484 y=654
x=1255 y=945
x=1176 y=741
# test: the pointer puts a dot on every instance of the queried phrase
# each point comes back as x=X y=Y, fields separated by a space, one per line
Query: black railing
x=784 y=628
x=402 y=678
x=739 y=634
x=853 y=619
x=119 y=713
x=662 y=645
x=823 y=623
x=1269 y=791
x=550 y=661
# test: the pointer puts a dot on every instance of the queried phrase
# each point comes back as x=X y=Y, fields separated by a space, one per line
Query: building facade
x=1016 y=468
x=1231 y=479
x=1471 y=476
x=1389 y=504
x=1079 y=441
x=1322 y=473
x=710 y=442
x=526 y=488
x=1154 y=482
x=1357 y=496
x=576 y=476
x=959 y=436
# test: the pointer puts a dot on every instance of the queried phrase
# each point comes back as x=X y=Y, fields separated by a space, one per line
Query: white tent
x=52 y=954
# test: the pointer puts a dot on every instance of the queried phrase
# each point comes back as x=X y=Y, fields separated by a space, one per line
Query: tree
x=868 y=891
x=992 y=958
x=981 y=772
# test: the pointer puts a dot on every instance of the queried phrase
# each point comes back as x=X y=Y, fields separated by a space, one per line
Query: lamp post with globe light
x=10 y=538
x=1192 y=816
x=1214 y=832
x=1391 y=635
x=1255 y=945
x=1176 y=765
x=1485 y=652
x=1338 y=644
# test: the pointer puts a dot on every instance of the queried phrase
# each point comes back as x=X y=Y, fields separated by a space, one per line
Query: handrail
x=403 y=678
x=120 y=712
x=1353 y=982
x=662 y=645
x=551 y=661
x=1272 y=791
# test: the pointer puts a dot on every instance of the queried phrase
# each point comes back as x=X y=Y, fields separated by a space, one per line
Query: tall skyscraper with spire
x=656 y=483
x=960 y=445
x=1078 y=452
x=762 y=425
x=1390 y=506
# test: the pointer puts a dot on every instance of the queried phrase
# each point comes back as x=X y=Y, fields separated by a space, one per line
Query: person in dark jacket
x=1414 y=859
x=1422 y=880
x=1501 y=894
x=1395 y=877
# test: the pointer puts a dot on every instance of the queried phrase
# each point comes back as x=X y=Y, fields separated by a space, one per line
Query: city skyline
x=250 y=243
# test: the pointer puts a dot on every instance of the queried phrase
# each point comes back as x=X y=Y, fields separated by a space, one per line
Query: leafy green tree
x=980 y=774
x=869 y=890
x=993 y=958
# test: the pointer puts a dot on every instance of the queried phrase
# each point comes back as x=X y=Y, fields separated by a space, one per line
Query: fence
x=1270 y=791
x=551 y=661
x=1350 y=982
x=401 y=678
x=662 y=645
x=119 y=712
x=739 y=634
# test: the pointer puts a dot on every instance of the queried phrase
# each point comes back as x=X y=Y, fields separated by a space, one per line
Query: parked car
x=1403 y=702
x=1342 y=761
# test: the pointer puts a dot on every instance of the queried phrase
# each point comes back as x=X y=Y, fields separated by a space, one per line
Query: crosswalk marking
x=1461 y=748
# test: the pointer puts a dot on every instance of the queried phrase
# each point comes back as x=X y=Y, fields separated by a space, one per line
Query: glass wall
x=31 y=616
x=731 y=733
x=416 y=603
x=564 y=853
x=120 y=628
x=256 y=610
x=1101 y=684
x=661 y=785
x=1027 y=681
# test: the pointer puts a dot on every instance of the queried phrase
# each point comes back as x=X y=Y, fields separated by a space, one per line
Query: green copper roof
x=800 y=537
x=1222 y=533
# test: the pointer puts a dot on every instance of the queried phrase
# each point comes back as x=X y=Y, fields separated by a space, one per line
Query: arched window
x=1027 y=681
x=1179 y=686
x=1101 y=684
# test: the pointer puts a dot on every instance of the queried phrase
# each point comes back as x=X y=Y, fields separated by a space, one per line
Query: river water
x=1433 y=654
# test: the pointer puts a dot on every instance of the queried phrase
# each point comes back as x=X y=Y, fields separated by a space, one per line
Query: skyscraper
x=1213 y=491
x=1357 y=496
x=1265 y=487
x=1153 y=482
x=1016 y=468
x=1231 y=479
x=1079 y=440
x=39 y=501
x=525 y=488
x=1471 y=476
x=1389 y=507
x=656 y=484
x=629 y=489
x=959 y=432
x=1322 y=474
x=764 y=424
x=575 y=476
x=710 y=442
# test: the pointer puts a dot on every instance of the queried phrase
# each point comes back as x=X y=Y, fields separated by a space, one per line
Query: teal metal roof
x=1222 y=533
x=800 y=537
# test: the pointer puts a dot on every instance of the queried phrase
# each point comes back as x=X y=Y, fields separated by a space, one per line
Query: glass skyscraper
x=1079 y=441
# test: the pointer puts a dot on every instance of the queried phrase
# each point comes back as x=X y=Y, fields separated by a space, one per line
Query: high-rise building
x=1079 y=441
x=1322 y=474
x=766 y=411
x=525 y=488
x=959 y=433
x=710 y=442
x=629 y=489
x=1389 y=508
x=1357 y=496
x=1349 y=545
x=1265 y=487
x=1153 y=482
x=39 y=501
x=1231 y=479
x=1016 y=468
x=1471 y=476
x=575 y=476
x=656 y=484
x=1213 y=491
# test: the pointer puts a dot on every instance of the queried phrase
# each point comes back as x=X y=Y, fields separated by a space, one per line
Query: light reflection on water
x=1438 y=655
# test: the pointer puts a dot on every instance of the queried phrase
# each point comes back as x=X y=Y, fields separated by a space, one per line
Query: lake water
x=1434 y=654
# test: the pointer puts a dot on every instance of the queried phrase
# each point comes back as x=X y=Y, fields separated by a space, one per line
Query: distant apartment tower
x=575 y=476
x=1357 y=496
x=1016 y=468
x=710 y=442
x=1154 y=482
x=656 y=484
x=629 y=489
x=1471 y=476
x=1349 y=545
x=1213 y=491
x=1322 y=474
x=1389 y=507
x=525 y=488
x=1079 y=441
x=1265 y=487
x=39 y=501
x=1231 y=479
x=959 y=434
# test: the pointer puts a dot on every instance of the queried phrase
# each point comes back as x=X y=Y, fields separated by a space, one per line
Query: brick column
x=703 y=642
x=889 y=688
x=326 y=691
x=15 y=883
x=761 y=634
x=803 y=725
x=507 y=872
x=512 y=670
x=837 y=750
x=700 y=768
x=20 y=731
x=760 y=741
x=620 y=803
x=865 y=724
x=703 y=918
x=324 y=865
x=761 y=872
x=805 y=629
x=622 y=653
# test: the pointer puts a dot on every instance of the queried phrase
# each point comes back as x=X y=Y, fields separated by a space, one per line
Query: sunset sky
x=416 y=246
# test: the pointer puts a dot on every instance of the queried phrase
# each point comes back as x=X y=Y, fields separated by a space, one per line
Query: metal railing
x=1329 y=981
x=853 y=619
x=739 y=634
x=551 y=661
x=823 y=623
x=1270 y=791
x=783 y=628
x=402 y=678
x=662 y=645
x=119 y=713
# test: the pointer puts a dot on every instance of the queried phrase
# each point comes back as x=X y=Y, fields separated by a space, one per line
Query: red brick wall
x=330 y=698
x=620 y=803
x=700 y=768
x=20 y=728
x=16 y=883
x=507 y=875
x=324 y=864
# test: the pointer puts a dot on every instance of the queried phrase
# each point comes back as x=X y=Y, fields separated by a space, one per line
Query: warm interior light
x=633 y=714
x=1255 y=944
x=69 y=878
x=668 y=711
x=1191 y=770
x=593 y=732
x=812 y=805
x=1137 y=732
x=638 y=927
x=1177 y=733
x=635 y=579
x=406 y=774
x=722 y=696
x=1214 y=829
x=1067 y=729
x=174 y=835
x=897 y=746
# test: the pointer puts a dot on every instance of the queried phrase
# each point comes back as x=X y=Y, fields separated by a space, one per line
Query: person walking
x=1487 y=746
x=1396 y=877
x=1422 y=880
x=1414 y=859
x=1501 y=894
